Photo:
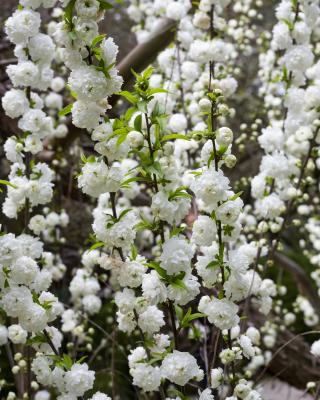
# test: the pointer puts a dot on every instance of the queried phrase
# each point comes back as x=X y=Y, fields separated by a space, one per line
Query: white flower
x=91 y=304
x=125 y=300
x=79 y=379
x=17 y=334
x=208 y=274
x=15 y=103
x=186 y=291
x=180 y=367
x=173 y=210
x=120 y=234
x=25 y=73
x=41 y=48
x=298 y=58
x=247 y=347
x=270 y=206
x=137 y=356
x=222 y=313
x=216 y=377
x=22 y=25
x=57 y=84
x=315 y=348
x=146 y=377
x=37 y=122
x=109 y=51
x=253 y=334
x=206 y=395
x=177 y=123
x=201 y=20
x=41 y=368
x=153 y=289
x=229 y=211
x=89 y=84
x=224 y=136
x=42 y=395
x=24 y=270
x=272 y=139
x=100 y=396
x=204 y=231
x=86 y=114
x=176 y=255
x=178 y=9
x=33 y=318
x=3 y=335
x=87 y=8
x=281 y=36
x=131 y=273
x=211 y=187
x=135 y=139
x=151 y=320
x=97 y=178
x=13 y=150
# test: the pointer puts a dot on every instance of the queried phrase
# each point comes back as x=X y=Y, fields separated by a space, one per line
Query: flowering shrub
x=180 y=292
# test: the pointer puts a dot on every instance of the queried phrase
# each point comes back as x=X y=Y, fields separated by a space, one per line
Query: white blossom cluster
x=178 y=261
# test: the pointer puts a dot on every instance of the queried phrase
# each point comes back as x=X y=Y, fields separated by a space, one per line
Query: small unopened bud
x=15 y=370
x=230 y=160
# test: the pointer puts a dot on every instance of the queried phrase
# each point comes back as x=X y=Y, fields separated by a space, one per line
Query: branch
x=145 y=53
x=304 y=283
x=292 y=361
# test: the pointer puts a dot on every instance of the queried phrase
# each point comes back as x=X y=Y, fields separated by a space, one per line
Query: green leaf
x=138 y=123
x=68 y=12
x=125 y=184
x=97 y=40
x=81 y=359
x=174 y=136
x=147 y=73
x=289 y=23
x=211 y=158
x=96 y=246
x=190 y=317
x=7 y=183
x=235 y=196
x=67 y=361
x=129 y=96
x=154 y=168
x=37 y=339
x=179 y=192
x=176 y=231
x=122 y=138
x=222 y=150
x=156 y=266
x=66 y=110
x=124 y=212
x=214 y=264
x=104 y=5
x=134 y=252
x=157 y=90
x=142 y=106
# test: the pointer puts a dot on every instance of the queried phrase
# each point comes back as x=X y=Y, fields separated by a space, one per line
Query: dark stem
x=173 y=323
x=50 y=343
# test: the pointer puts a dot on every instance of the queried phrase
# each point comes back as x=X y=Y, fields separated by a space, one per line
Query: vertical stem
x=173 y=323
x=113 y=364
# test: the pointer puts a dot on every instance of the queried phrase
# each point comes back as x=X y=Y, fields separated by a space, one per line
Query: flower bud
x=135 y=139
x=205 y=104
x=224 y=136
x=230 y=160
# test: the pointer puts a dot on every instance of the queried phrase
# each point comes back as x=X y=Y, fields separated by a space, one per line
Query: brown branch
x=292 y=361
x=145 y=53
